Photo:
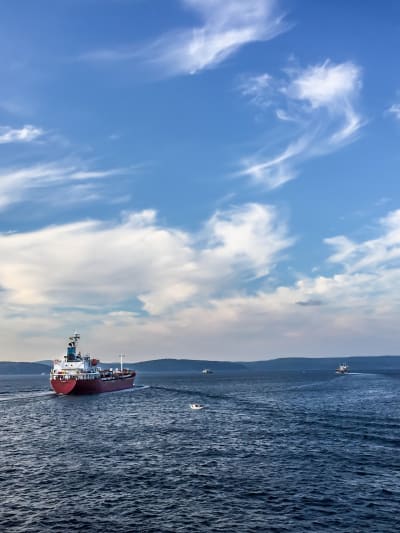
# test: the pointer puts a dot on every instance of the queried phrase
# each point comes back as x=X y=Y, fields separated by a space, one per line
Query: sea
x=278 y=452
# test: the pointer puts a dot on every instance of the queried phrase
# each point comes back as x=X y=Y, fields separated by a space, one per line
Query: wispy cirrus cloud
x=26 y=134
x=226 y=26
x=257 y=89
x=332 y=88
x=17 y=184
x=273 y=173
x=318 y=106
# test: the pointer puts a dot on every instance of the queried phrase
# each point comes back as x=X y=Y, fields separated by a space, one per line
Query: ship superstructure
x=343 y=368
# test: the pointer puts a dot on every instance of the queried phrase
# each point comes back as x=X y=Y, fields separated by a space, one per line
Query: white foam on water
x=25 y=395
x=133 y=389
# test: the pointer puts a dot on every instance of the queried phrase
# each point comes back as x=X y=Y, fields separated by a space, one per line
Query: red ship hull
x=92 y=386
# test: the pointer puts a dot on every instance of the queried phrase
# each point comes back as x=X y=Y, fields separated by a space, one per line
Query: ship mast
x=75 y=338
x=121 y=357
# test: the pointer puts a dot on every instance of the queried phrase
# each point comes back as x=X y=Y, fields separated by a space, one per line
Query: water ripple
x=285 y=453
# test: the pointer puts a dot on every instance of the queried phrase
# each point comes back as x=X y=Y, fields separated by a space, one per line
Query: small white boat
x=206 y=371
x=342 y=369
x=196 y=406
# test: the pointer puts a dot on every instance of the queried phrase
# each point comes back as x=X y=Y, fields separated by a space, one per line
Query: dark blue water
x=273 y=453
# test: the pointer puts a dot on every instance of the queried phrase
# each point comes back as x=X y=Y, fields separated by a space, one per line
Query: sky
x=210 y=179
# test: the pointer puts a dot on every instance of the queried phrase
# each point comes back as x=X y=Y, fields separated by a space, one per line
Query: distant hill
x=356 y=364
x=7 y=367
x=283 y=364
x=187 y=365
x=172 y=365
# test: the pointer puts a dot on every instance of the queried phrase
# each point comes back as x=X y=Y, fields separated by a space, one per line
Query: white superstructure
x=75 y=365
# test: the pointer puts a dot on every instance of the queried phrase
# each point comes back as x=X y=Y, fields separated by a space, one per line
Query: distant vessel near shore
x=206 y=371
x=342 y=369
x=77 y=374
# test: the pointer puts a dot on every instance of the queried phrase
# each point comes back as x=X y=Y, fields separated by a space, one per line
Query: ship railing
x=107 y=375
x=80 y=377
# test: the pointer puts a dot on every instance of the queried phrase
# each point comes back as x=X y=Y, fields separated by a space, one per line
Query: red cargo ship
x=77 y=374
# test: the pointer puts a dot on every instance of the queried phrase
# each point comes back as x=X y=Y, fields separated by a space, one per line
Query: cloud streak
x=26 y=134
x=317 y=104
x=226 y=26
x=17 y=184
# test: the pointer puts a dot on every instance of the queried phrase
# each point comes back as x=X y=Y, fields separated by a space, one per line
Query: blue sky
x=199 y=178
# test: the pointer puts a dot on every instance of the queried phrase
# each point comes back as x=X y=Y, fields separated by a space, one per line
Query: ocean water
x=287 y=452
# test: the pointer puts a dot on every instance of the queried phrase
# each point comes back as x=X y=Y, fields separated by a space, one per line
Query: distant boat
x=206 y=371
x=196 y=406
x=343 y=369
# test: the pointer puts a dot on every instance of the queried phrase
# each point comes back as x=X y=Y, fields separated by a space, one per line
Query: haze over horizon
x=207 y=179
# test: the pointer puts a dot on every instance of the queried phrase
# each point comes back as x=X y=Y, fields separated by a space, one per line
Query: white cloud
x=250 y=236
x=395 y=110
x=90 y=275
x=326 y=85
x=355 y=311
x=334 y=88
x=96 y=264
x=281 y=114
x=94 y=174
x=321 y=117
x=17 y=184
x=274 y=172
x=381 y=252
x=227 y=25
x=27 y=133
x=257 y=89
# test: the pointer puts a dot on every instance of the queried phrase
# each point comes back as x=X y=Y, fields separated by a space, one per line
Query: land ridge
x=173 y=365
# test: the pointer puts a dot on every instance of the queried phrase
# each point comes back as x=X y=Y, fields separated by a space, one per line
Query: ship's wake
x=132 y=389
x=26 y=395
